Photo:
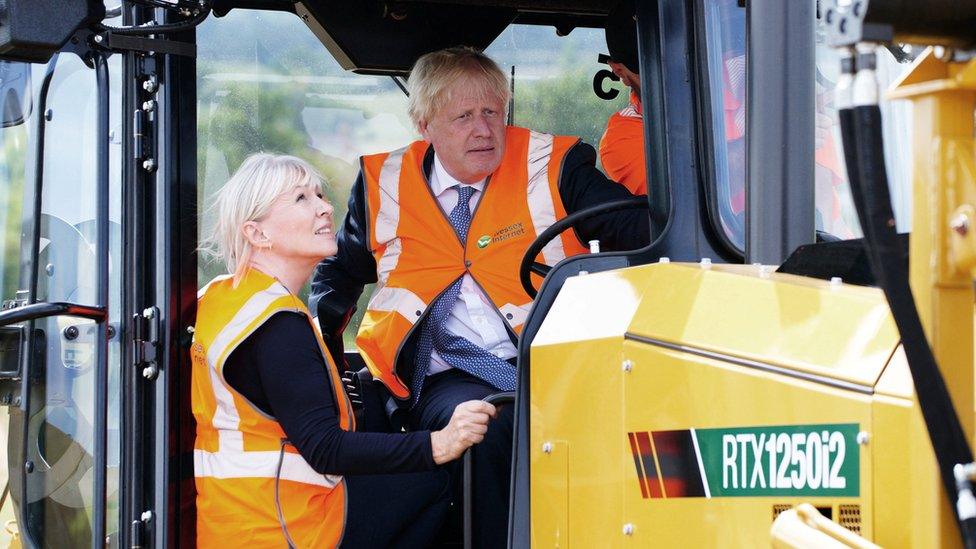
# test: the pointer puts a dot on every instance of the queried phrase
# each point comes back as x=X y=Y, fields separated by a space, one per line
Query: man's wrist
x=438 y=447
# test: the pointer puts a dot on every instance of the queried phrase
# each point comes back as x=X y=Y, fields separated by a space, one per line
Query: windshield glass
x=57 y=453
x=265 y=83
x=553 y=80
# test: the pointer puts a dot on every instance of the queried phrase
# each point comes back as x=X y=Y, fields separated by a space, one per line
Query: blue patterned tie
x=454 y=349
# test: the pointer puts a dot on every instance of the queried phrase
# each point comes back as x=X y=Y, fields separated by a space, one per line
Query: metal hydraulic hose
x=864 y=151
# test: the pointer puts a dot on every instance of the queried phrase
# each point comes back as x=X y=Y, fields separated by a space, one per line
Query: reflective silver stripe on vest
x=388 y=216
x=261 y=464
x=231 y=460
x=251 y=310
x=541 y=206
x=388 y=262
x=226 y=419
x=401 y=300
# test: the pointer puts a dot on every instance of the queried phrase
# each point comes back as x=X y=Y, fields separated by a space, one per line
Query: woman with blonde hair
x=277 y=458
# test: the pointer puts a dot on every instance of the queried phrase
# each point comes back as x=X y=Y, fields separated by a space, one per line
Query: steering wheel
x=530 y=266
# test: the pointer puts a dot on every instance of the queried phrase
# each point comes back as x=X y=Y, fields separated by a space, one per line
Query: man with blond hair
x=440 y=226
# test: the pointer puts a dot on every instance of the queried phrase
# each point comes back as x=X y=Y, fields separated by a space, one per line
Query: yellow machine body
x=655 y=390
x=679 y=356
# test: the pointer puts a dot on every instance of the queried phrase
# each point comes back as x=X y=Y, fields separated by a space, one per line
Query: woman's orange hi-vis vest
x=419 y=254
x=240 y=452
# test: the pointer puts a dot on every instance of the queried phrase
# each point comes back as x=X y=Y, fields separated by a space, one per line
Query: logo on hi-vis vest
x=484 y=241
x=512 y=231
x=786 y=460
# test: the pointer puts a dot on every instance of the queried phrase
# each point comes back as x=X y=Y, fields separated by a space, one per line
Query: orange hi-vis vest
x=239 y=449
x=622 y=148
x=419 y=255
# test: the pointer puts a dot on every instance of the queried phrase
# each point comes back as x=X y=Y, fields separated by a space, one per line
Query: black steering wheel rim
x=529 y=265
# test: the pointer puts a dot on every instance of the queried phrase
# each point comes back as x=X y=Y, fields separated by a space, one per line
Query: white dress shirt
x=473 y=315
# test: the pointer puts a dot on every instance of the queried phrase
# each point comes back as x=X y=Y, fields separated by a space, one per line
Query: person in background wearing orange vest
x=277 y=458
x=441 y=226
x=622 y=144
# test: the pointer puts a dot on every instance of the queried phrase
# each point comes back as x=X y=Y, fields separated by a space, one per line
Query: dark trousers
x=492 y=463
x=402 y=510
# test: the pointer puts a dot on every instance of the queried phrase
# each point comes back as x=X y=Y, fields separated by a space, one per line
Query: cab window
x=265 y=83
x=56 y=433
x=725 y=50
x=835 y=213
x=725 y=27
x=553 y=80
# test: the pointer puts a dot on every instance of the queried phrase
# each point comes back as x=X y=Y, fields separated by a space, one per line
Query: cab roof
x=384 y=37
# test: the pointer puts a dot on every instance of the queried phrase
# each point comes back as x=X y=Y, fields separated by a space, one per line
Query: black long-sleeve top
x=280 y=370
x=581 y=186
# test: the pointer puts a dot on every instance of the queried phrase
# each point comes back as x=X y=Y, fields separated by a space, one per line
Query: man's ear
x=423 y=128
x=255 y=235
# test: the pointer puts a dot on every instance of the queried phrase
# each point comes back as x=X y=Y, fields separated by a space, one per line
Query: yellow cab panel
x=688 y=405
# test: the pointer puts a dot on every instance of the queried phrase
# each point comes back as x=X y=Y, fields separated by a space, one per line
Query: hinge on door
x=145 y=341
x=144 y=116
